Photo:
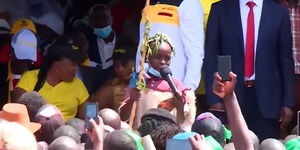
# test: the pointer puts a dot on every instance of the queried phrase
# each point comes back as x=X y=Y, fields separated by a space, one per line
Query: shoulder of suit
x=276 y=6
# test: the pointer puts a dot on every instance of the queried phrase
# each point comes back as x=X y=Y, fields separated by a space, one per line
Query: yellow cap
x=23 y=24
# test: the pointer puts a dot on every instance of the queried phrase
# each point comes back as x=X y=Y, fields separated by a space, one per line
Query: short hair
x=272 y=144
x=50 y=117
x=101 y=12
x=210 y=126
x=33 y=102
x=63 y=143
x=153 y=119
x=163 y=133
x=66 y=130
x=16 y=137
x=119 y=139
x=254 y=140
x=110 y=117
x=77 y=124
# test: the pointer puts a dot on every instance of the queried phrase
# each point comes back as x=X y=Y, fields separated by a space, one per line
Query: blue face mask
x=103 y=32
x=154 y=72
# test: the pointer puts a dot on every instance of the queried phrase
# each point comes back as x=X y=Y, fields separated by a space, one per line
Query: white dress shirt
x=257 y=9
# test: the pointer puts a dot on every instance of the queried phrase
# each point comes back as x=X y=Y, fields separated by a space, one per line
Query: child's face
x=123 y=70
x=162 y=58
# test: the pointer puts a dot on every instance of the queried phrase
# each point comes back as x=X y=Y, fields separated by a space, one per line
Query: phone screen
x=224 y=67
x=91 y=112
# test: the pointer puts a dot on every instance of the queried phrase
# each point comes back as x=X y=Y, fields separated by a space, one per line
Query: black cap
x=68 y=50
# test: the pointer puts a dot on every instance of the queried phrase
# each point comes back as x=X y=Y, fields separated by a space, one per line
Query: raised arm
x=237 y=123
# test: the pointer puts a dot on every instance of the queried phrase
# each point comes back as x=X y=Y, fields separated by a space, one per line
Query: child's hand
x=224 y=89
x=135 y=94
x=178 y=102
x=198 y=142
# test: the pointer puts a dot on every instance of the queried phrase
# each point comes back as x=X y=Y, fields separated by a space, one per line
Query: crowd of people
x=152 y=68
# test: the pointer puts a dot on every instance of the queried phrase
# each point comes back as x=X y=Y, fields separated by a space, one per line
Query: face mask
x=154 y=72
x=103 y=32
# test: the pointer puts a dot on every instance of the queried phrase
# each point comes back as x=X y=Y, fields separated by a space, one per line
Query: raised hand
x=224 y=89
x=199 y=142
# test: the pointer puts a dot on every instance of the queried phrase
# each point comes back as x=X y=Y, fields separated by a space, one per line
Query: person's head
x=254 y=139
x=61 y=63
x=125 y=125
x=63 y=143
x=13 y=136
x=153 y=119
x=66 y=130
x=271 y=144
x=110 y=117
x=161 y=51
x=289 y=137
x=23 y=24
x=100 y=20
x=77 y=124
x=50 y=117
x=163 y=133
x=42 y=145
x=207 y=124
x=123 y=64
x=24 y=44
x=122 y=139
x=33 y=102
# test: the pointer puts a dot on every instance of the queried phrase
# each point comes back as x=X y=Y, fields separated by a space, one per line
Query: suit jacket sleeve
x=212 y=45
x=287 y=61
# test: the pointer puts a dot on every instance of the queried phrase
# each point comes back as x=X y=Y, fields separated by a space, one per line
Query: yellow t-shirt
x=67 y=96
x=206 y=4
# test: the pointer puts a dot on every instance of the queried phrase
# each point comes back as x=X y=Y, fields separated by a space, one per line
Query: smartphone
x=224 y=67
x=298 y=123
x=91 y=112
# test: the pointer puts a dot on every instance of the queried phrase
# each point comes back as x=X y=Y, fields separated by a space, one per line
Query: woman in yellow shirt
x=56 y=80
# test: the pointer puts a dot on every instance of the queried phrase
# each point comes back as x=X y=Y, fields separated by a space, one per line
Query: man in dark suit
x=257 y=35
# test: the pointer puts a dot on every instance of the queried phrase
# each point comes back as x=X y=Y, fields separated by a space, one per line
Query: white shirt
x=244 y=17
x=106 y=51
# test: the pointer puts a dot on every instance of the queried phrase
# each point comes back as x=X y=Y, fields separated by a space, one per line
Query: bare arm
x=237 y=123
x=104 y=96
x=80 y=110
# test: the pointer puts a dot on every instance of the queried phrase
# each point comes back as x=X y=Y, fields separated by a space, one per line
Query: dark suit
x=274 y=66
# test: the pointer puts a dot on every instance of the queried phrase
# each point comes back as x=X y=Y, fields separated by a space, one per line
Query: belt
x=249 y=83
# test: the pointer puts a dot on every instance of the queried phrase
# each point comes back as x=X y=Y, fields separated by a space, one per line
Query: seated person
x=158 y=93
x=117 y=89
x=56 y=80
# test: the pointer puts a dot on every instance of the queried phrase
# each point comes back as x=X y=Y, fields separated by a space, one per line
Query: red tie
x=249 y=57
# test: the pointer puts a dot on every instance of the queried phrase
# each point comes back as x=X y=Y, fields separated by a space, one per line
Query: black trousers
x=264 y=128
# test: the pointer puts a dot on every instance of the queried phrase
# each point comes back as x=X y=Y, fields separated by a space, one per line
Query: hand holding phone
x=91 y=112
x=224 y=67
